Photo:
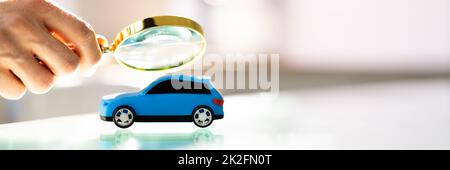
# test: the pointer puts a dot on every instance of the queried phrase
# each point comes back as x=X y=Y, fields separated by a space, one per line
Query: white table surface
x=406 y=114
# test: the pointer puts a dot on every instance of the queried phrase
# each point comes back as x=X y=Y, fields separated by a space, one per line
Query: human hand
x=38 y=42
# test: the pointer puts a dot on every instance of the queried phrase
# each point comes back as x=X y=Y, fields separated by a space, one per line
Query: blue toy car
x=173 y=98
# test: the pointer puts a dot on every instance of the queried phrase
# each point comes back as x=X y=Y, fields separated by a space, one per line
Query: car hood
x=118 y=95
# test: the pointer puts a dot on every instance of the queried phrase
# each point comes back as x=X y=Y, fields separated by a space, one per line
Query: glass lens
x=159 y=48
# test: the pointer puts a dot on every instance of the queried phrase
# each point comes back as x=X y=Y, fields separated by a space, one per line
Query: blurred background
x=322 y=43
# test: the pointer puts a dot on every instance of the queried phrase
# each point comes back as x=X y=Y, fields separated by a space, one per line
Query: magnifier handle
x=103 y=43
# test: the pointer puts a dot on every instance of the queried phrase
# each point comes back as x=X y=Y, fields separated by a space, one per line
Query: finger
x=10 y=86
x=35 y=76
x=34 y=37
x=57 y=56
x=77 y=32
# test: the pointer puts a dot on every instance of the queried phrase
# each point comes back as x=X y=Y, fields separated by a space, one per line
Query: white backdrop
x=381 y=36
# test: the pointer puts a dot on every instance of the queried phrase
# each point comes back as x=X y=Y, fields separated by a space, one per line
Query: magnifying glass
x=157 y=43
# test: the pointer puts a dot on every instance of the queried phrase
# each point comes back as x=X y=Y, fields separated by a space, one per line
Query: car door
x=161 y=100
x=177 y=101
x=190 y=97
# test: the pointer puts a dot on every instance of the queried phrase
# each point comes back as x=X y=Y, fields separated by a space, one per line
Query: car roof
x=202 y=79
x=183 y=77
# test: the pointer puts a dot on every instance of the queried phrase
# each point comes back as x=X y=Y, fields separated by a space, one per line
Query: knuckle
x=10 y=51
x=86 y=31
x=71 y=65
x=35 y=43
x=15 y=21
x=4 y=27
x=7 y=56
x=20 y=26
x=19 y=60
x=13 y=59
x=47 y=43
x=36 y=39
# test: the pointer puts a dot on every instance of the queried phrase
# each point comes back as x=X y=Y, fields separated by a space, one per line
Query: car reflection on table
x=125 y=139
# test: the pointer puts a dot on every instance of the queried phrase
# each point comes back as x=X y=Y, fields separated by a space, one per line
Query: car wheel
x=124 y=117
x=202 y=117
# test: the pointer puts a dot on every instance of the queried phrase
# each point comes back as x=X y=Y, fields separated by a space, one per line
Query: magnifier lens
x=159 y=48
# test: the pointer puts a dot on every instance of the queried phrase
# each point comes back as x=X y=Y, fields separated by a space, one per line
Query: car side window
x=195 y=90
x=163 y=87
x=166 y=87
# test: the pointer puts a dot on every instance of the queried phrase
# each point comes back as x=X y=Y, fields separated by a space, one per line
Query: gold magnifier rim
x=153 y=22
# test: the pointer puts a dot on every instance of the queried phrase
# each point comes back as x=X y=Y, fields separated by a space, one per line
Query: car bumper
x=215 y=117
x=104 y=118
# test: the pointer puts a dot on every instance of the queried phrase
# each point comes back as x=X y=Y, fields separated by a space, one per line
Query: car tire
x=202 y=116
x=124 y=116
